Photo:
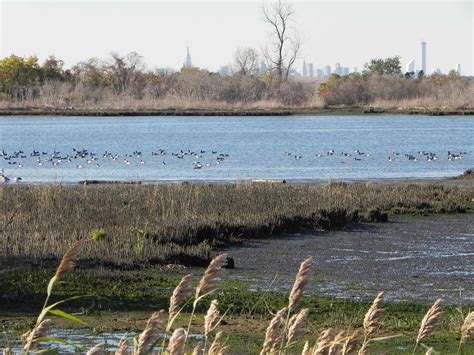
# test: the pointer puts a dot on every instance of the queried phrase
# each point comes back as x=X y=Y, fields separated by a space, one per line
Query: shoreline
x=234 y=112
x=456 y=180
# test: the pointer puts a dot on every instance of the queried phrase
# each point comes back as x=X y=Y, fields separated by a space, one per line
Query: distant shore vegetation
x=257 y=79
x=123 y=82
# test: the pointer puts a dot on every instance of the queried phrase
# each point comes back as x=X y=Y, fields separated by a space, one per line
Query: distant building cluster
x=308 y=71
x=411 y=68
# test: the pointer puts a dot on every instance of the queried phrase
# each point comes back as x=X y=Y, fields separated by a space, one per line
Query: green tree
x=52 y=69
x=387 y=66
x=19 y=75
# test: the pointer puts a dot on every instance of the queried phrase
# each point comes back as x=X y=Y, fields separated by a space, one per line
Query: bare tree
x=124 y=70
x=246 y=61
x=285 y=43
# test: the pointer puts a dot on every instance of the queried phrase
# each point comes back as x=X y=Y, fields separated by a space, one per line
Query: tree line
x=123 y=80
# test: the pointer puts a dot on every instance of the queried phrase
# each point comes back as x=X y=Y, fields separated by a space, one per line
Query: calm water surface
x=292 y=148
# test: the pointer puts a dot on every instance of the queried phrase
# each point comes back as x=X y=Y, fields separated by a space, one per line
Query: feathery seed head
x=151 y=332
x=430 y=320
x=350 y=343
x=302 y=278
x=216 y=346
x=336 y=345
x=296 y=324
x=96 y=350
x=67 y=261
x=467 y=328
x=373 y=316
x=273 y=332
x=306 y=349
x=211 y=317
x=198 y=349
x=324 y=342
x=207 y=282
x=29 y=338
x=177 y=342
x=180 y=294
x=122 y=347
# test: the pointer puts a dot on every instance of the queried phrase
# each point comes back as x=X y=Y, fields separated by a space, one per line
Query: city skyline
x=166 y=26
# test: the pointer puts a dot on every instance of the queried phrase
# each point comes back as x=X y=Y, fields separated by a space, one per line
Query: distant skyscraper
x=458 y=69
x=310 y=70
x=423 y=56
x=305 y=69
x=327 y=70
x=263 y=68
x=319 y=73
x=410 y=67
x=345 y=71
x=224 y=70
x=355 y=70
x=187 y=62
x=338 y=69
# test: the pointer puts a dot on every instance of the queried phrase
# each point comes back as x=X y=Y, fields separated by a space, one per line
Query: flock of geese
x=357 y=155
x=83 y=158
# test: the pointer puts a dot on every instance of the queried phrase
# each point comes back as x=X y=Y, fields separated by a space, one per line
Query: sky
x=348 y=32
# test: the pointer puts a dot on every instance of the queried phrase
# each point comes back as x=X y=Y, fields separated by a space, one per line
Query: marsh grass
x=184 y=224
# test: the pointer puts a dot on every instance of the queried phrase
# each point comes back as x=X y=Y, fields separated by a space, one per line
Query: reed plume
x=177 y=342
x=467 y=328
x=211 y=318
x=373 y=316
x=301 y=281
x=180 y=294
x=198 y=349
x=29 y=338
x=207 y=282
x=430 y=320
x=306 y=349
x=296 y=324
x=430 y=351
x=273 y=332
x=67 y=261
x=7 y=351
x=151 y=332
x=96 y=350
x=324 y=342
x=364 y=348
x=350 y=343
x=336 y=345
x=122 y=347
x=216 y=347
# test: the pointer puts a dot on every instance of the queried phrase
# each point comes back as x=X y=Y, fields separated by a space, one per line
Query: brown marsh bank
x=277 y=111
x=162 y=224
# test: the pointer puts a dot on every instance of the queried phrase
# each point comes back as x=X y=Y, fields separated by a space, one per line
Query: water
x=253 y=147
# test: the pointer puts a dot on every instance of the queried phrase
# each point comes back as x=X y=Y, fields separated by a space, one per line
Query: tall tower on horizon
x=187 y=62
x=423 y=56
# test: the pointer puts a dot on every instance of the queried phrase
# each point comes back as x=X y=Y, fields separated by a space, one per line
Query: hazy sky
x=349 y=32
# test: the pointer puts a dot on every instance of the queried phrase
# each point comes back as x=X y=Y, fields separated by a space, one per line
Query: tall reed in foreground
x=281 y=336
x=30 y=338
x=429 y=322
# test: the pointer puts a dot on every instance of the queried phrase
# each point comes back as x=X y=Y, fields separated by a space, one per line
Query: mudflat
x=415 y=259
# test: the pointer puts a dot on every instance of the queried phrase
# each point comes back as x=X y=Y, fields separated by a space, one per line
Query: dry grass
x=156 y=224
